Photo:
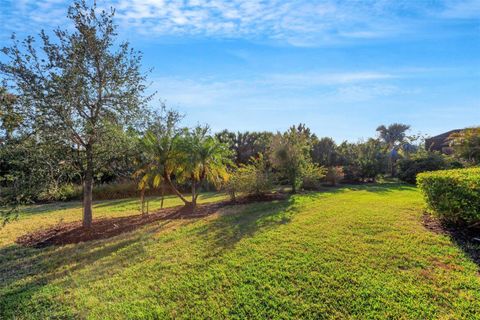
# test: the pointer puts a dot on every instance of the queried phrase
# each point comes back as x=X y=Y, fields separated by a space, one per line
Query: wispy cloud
x=466 y=9
x=279 y=90
x=296 y=22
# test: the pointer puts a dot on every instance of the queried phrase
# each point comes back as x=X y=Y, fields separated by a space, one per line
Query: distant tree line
x=73 y=111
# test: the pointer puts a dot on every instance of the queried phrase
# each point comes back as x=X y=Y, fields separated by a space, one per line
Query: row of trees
x=73 y=109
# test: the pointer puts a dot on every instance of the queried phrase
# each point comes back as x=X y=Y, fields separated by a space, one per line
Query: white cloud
x=461 y=9
x=278 y=90
x=297 y=22
x=312 y=79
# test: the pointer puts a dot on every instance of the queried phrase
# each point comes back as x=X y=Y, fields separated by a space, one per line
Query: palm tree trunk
x=175 y=190
x=163 y=195
x=194 y=195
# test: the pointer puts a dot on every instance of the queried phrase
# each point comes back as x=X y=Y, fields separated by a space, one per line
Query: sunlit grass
x=45 y=215
x=358 y=252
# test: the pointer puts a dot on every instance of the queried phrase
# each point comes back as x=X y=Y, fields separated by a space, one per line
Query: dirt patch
x=74 y=232
x=466 y=238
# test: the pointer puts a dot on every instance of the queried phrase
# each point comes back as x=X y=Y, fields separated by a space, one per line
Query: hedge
x=454 y=195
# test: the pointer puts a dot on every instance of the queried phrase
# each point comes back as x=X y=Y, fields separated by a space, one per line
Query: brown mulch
x=74 y=232
x=468 y=238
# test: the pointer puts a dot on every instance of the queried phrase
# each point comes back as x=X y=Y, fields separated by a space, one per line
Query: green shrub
x=251 y=179
x=408 y=169
x=334 y=175
x=110 y=191
x=312 y=175
x=454 y=195
x=58 y=193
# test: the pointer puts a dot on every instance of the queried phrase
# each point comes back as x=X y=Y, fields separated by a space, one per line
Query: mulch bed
x=467 y=238
x=74 y=232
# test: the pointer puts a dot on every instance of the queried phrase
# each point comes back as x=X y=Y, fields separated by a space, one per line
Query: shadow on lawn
x=46 y=207
x=228 y=229
x=462 y=236
x=25 y=271
x=381 y=188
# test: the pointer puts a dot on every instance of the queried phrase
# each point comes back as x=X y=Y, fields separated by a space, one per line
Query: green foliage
x=201 y=158
x=393 y=134
x=312 y=175
x=393 y=137
x=190 y=156
x=78 y=86
x=362 y=161
x=290 y=155
x=410 y=168
x=325 y=153
x=11 y=117
x=454 y=195
x=157 y=159
x=466 y=145
x=334 y=175
x=254 y=178
x=245 y=145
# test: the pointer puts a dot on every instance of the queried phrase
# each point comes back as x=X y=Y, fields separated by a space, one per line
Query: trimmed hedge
x=454 y=195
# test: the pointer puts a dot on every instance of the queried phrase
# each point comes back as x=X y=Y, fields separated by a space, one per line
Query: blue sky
x=340 y=67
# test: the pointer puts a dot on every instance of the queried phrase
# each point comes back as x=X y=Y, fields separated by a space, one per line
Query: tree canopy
x=78 y=85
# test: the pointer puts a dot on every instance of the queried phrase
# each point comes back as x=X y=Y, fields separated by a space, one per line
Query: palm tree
x=201 y=158
x=158 y=160
x=392 y=136
x=190 y=156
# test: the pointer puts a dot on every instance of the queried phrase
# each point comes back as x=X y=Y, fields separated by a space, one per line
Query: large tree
x=245 y=144
x=363 y=160
x=324 y=152
x=290 y=156
x=78 y=84
x=393 y=134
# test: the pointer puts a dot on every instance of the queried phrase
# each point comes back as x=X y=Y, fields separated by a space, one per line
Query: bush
x=312 y=175
x=107 y=191
x=362 y=161
x=63 y=193
x=454 y=195
x=251 y=179
x=409 y=168
x=334 y=175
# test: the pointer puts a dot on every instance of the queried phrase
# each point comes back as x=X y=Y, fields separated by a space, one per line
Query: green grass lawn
x=358 y=252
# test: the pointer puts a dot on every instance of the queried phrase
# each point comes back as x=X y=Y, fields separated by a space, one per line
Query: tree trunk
x=87 y=189
x=294 y=183
x=194 y=195
x=177 y=193
x=163 y=194
x=142 y=199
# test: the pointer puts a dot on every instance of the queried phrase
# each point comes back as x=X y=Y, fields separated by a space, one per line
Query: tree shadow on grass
x=26 y=271
x=381 y=188
x=47 y=207
x=229 y=228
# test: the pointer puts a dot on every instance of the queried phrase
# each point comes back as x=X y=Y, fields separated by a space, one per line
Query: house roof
x=440 y=141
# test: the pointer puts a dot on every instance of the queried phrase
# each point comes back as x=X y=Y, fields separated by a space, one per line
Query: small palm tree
x=191 y=156
x=202 y=158
x=158 y=160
